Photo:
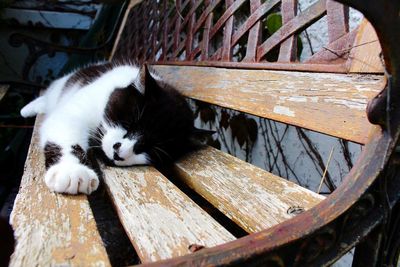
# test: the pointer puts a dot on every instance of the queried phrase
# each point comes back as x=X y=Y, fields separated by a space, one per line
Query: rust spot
x=195 y=247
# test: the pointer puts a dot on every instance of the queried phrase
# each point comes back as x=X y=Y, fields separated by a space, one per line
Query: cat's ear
x=200 y=135
x=151 y=87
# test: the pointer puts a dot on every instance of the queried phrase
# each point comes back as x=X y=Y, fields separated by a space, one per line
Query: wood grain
x=159 y=219
x=52 y=229
x=364 y=57
x=333 y=104
x=253 y=198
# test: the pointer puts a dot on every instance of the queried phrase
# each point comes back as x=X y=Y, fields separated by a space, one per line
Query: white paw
x=71 y=178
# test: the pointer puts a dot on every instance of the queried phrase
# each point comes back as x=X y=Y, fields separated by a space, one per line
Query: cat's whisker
x=137 y=113
x=95 y=137
x=165 y=141
x=163 y=151
x=158 y=156
x=142 y=112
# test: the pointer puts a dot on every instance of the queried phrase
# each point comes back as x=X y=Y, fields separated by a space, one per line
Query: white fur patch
x=71 y=177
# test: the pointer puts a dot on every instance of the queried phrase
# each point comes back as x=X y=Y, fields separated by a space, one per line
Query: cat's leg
x=68 y=170
x=35 y=107
x=48 y=100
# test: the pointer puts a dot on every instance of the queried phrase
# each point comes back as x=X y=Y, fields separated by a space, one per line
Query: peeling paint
x=359 y=104
x=52 y=229
x=159 y=219
x=253 y=198
x=281 y=110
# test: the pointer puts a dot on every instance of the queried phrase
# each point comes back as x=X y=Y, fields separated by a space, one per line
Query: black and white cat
x=134 y=118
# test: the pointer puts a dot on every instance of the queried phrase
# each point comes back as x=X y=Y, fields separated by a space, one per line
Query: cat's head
x=147 y=123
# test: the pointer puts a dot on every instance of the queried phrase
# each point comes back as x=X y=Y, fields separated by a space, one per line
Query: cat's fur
x=126 y=111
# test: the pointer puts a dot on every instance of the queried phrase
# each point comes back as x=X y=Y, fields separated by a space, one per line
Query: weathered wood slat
x=52 y=229
x=250 y=196
x=333 y=104
x=159 y=219
x=364 y=56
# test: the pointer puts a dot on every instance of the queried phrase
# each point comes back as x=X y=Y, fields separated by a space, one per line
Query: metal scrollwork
x=271 y=261
x=314 y=246
x=359 y=211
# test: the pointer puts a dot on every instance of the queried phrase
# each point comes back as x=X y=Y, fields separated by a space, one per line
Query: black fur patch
x=78 y=152
x=124 y=106
x=52 y=154
x=87 y=75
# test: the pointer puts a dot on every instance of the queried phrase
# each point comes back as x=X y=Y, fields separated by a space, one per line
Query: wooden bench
x=165 y=223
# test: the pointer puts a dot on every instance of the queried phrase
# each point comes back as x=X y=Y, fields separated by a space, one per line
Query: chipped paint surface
x=359 y=104
x=252 y=197
x=316 y=101
x=159 y=219
x=283 y=111
x=52 y=229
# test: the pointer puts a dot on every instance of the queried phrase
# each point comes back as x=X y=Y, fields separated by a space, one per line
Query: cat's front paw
x=71 y=178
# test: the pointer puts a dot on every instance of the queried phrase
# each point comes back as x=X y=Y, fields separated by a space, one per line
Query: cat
x=126 y=111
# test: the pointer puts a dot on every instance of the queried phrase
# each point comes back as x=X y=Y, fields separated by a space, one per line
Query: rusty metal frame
x=361 y=211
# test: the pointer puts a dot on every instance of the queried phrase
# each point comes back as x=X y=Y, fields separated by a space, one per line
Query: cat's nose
x=117 y=145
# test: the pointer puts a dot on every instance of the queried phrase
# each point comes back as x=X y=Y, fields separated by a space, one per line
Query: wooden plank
x=3 y=90
x=250 y=196
x=52 y=229
x=333 y=104
x=159 y=219
x=364 y=57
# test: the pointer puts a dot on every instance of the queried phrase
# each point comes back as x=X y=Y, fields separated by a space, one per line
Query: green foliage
x=273 y=23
